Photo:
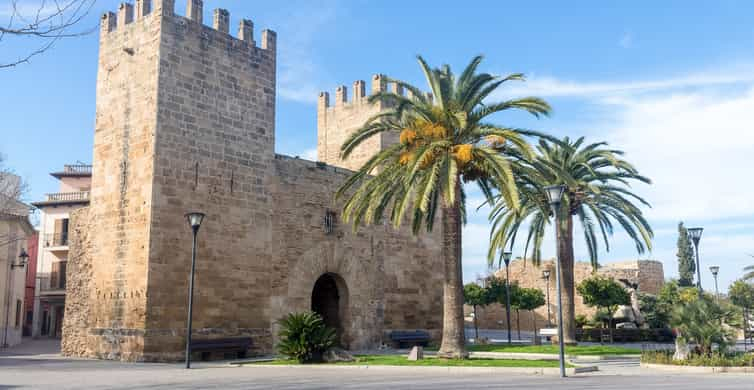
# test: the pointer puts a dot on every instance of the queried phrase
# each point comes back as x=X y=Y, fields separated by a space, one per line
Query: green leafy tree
x=497 y=293
x=685 y=254
x=701 y=322
x=475 y=295
x=528 y=299
x=305 y=337
x=604 y=293
x=657 y=309
x=446 y=139
x=598 y=195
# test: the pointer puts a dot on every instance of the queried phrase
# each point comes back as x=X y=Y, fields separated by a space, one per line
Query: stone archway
x=330 y=300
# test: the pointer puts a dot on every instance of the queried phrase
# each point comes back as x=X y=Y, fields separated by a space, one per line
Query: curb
x=453 y=370
x=698 y=369
x=548 y=356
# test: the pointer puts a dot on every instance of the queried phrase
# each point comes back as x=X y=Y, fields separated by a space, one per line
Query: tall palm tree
x=598 y=194
x=749 y=275
x=445 y=140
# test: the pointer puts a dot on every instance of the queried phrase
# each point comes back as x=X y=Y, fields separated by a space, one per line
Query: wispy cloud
x=300 y=78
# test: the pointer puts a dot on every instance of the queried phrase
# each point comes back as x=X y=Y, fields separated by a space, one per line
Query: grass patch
x=591 y=350
x=400 y=360
x=716 y=360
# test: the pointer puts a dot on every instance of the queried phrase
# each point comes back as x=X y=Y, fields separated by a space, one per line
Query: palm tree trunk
x=518 y=323
x=453 y=345
x=565 y=255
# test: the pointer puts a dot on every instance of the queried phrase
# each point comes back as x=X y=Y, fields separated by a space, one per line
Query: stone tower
x=335 y=123
x=184 y=120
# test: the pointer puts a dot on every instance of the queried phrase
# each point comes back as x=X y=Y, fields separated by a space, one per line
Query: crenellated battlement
x=129 y=14
x=359 y=96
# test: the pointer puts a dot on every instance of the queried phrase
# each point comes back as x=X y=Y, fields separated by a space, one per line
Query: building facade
x=31 y=283
x=53 y=246
x=15 y=229
x=185 y=120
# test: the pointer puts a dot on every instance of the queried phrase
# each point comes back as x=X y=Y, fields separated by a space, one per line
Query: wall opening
x=330 y=300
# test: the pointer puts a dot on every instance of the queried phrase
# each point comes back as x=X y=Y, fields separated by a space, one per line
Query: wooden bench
x=409 y=338
x=239 y=345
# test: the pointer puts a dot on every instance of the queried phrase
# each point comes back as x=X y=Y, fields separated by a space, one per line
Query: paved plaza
x=36 y=365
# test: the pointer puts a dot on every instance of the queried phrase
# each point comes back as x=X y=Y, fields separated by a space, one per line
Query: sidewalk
x=33 y=347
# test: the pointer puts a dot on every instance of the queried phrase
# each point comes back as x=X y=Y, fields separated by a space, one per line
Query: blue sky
x=669 y=82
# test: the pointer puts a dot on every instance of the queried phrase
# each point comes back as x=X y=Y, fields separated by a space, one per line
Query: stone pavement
x=19 y=369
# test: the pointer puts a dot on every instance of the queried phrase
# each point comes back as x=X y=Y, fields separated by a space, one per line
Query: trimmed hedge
x=659 y=335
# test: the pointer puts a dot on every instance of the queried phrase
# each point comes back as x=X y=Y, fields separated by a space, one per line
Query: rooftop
x=74 y=170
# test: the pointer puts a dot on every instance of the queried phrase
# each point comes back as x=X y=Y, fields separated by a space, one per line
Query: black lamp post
x=715 y=269
x=546 y=277
x=507 y=260
x=554 y=197
x=194 y=220
x=695 y=234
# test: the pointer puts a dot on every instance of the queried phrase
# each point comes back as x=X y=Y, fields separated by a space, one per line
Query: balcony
x=64 y=198
x=53 y=283
x=74 y=170
x=54 y=240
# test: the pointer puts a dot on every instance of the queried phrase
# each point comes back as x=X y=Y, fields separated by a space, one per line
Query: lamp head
x=555 y=194
x=714 y=269
x=695 y=234
x=546 y=274
x=195 y=219
x=507 y=258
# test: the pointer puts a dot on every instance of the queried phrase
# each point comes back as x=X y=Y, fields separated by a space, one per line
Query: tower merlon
x=195 y=10
x=269 y=40
x=143 y=8
x=379 y=84
x=246 y=31
x=341 y=95
x=221 y=20
x=125 y=14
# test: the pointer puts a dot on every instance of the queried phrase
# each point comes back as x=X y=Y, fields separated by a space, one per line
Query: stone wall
x=648 y=273
x=389 y=274
x=78 y=302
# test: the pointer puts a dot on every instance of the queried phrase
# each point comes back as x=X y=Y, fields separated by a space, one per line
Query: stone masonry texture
x=647 y=273
x=185 y=121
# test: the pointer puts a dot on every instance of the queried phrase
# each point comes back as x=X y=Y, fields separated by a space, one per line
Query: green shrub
x=581 y=320
x=305 y=337
x=713 y=360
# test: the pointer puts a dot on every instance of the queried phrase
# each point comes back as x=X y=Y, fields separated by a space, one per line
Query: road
x=48 y=370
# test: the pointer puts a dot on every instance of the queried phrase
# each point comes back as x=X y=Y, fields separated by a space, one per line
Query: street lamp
x=554 y=197
x=23 y=260
x=507 y=260
x=715 y=269
x=546 y=277
x=695 y=234
x=194 y=220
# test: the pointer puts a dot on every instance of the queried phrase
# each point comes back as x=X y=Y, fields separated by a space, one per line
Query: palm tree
x=445 y=140
x=749 y=275
x=597 y=181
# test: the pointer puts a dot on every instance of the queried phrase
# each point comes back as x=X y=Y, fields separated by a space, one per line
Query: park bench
x=548 y=333
x=409 y=338
x=239 y=345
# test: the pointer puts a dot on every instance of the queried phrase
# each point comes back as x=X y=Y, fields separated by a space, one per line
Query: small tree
x=497 y=293
x=685 y=254
x=305 y=337
x=604 y=293
x=475 y=295
x=529 y=299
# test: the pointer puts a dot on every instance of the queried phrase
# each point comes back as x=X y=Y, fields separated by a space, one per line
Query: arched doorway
x=330 y=300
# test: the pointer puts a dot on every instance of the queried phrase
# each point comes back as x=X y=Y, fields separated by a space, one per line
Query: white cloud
x=310 y=154
x=553 y=87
